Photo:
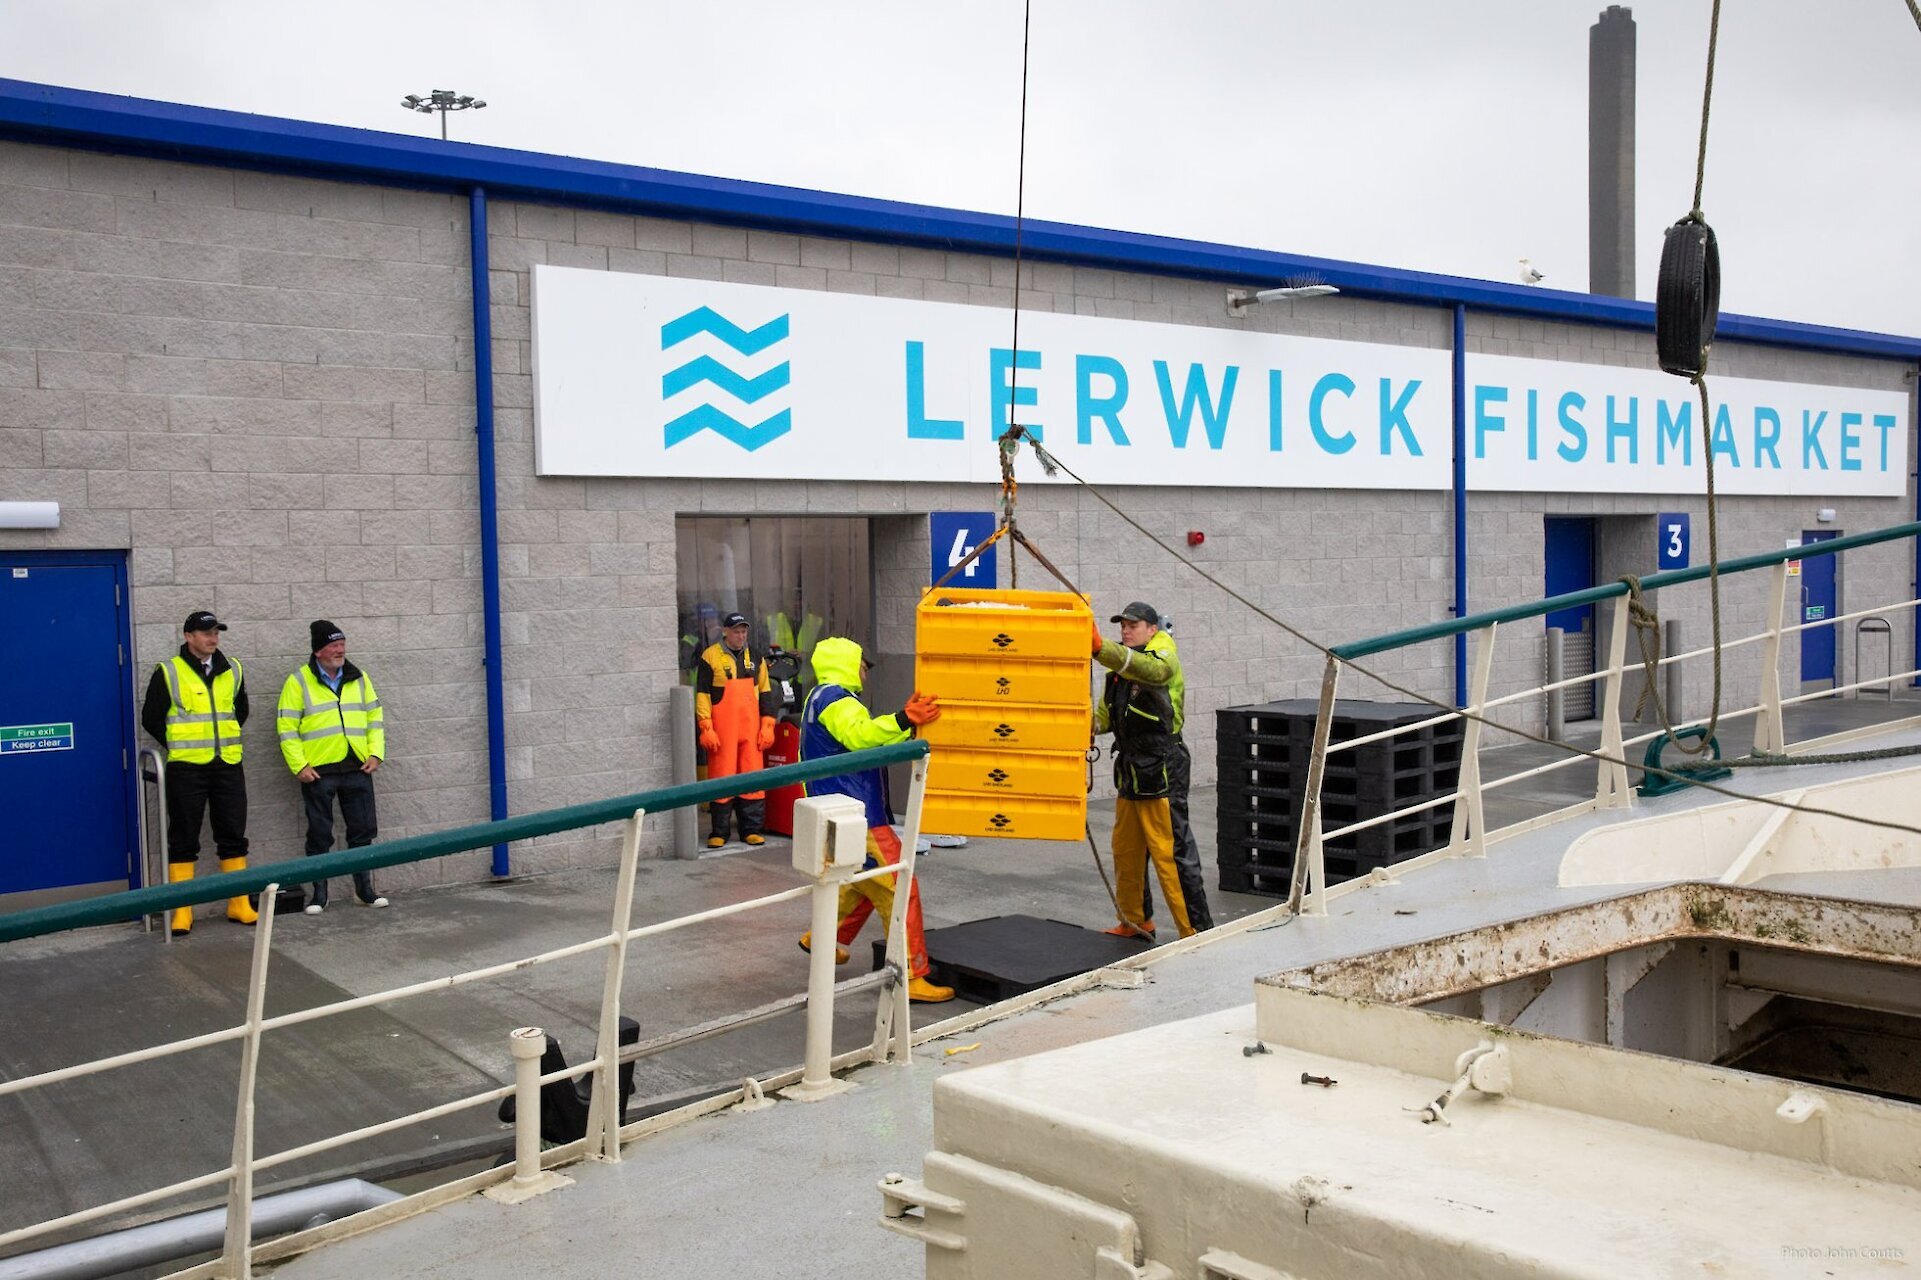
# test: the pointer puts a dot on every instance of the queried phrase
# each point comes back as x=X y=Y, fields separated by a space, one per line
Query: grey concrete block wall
x=262 y=386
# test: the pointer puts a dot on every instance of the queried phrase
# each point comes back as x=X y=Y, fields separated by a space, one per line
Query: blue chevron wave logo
x=706 y=370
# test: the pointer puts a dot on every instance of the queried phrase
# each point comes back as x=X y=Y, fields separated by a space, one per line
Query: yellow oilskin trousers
x=1143 y=830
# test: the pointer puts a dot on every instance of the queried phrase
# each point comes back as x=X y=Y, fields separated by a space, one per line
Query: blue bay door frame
x=1820 y=598
x=1569 y=561
x=69 y=794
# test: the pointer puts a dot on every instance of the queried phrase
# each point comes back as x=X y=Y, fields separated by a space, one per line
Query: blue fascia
x=101 y=121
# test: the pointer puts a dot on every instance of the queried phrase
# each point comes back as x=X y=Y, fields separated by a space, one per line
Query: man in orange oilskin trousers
x=734 y=706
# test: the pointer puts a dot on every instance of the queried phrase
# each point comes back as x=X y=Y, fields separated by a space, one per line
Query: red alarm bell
x=1195 y=537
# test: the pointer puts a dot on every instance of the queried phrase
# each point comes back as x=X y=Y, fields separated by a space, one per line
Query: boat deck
x=743 y=1192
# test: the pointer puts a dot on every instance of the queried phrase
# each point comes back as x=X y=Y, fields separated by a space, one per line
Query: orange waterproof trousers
x=857 y=901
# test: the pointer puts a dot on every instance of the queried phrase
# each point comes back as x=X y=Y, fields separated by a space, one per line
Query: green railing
x=135 y=903
x=1469 y=833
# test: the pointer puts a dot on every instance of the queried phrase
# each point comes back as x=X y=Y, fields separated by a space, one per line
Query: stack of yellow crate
x=1009 y=751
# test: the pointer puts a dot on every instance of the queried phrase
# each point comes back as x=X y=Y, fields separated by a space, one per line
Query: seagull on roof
x=1530 y=274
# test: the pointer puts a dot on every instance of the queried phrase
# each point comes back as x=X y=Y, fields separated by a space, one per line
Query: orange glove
x=922 y=709
x=766 y=738
x=709 y=740
x=1099 y=639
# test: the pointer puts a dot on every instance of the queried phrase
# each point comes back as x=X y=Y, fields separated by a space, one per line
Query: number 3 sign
x=1672 y=531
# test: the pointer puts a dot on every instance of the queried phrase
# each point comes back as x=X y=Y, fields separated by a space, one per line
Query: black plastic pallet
x=1002 y=956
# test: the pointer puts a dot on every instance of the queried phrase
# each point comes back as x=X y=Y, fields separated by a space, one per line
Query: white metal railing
x=1469 y=834
x=891 y=1042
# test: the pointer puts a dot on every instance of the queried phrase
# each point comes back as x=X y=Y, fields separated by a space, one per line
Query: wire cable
x=1050 y=460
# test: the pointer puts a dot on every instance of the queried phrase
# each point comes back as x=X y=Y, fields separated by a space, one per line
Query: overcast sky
x=1445 y=137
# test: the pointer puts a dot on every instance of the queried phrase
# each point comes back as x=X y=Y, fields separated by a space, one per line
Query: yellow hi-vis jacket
x=200 y=720
x=317 y=728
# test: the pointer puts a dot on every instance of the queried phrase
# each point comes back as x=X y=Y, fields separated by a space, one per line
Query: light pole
x=443 y=101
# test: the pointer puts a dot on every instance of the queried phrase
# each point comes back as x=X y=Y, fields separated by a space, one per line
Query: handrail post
x=527 y=1044
x=893 y=1024
x=603 y=1112
x=817 y=1073
x=1611 y=786
x=153 y=860
x=1769 y=733
x=236 y=1257
x=1464 y=838
x=1310 y=868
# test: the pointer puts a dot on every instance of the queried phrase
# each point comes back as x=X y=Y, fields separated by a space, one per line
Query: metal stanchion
x=1556 y=672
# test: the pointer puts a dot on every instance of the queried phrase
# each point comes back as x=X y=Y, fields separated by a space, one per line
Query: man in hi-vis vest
x=333 y=736
x=195 y=705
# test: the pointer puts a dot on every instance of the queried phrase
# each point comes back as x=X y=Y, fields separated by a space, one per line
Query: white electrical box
x=830 y=833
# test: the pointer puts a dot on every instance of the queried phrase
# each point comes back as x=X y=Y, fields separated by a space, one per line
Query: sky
x=1408 y=133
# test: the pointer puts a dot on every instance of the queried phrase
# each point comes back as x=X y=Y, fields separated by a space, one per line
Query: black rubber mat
x=1002 y=956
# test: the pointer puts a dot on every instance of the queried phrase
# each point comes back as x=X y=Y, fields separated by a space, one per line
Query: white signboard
x=1545 y=426
x=648 y=376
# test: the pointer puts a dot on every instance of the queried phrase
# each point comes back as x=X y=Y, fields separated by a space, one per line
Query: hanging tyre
x=1687 y=299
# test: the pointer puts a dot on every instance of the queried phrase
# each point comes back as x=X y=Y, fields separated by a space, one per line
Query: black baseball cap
x=734 y=620
x=201 y=620
x=1139 y=611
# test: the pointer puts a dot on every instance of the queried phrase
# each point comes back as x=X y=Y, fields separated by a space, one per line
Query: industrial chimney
x=1610 y=164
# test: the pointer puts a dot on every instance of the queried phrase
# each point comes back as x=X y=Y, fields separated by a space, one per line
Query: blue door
x=1817 y=602
x=67 y=798
x=1570 y=567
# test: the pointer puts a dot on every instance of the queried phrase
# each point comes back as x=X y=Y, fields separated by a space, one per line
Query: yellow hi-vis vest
x=318 y=728
x=201 y=722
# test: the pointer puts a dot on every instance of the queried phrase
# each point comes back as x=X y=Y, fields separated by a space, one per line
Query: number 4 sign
x=953 y=534
x=1672 y=531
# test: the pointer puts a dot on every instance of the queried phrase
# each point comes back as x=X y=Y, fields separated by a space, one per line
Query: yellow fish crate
x=1011 y=670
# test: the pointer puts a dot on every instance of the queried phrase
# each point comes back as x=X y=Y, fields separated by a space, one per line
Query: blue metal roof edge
x=102 y=121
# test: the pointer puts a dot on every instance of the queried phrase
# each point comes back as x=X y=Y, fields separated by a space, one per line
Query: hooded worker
x=734 y=706
x=834 y=722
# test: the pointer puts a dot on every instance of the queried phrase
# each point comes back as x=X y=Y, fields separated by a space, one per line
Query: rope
x=1768 y=759
x=1050 y=461
x=1008 y=446
x=1707 y=97
x=1915 y=9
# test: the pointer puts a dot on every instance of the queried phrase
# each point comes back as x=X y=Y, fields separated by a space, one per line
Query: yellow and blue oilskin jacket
x=1138 y=708
x=835 y=721
x=319 y=728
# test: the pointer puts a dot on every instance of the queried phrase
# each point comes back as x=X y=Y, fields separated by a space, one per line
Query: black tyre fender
x=1687 y=299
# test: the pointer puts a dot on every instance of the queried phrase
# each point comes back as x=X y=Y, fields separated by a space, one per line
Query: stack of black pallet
x=1263 y=755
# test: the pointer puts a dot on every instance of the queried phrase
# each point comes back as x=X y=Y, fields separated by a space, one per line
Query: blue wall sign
x=954 y=534
x=1671 y=528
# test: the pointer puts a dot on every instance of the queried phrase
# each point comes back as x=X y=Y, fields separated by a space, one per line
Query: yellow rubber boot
x=841 y=955
x=239 y=910
x=924 y=991
x=182 y=916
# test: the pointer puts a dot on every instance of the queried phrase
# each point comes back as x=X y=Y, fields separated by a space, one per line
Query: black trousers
x=753 y=813
x=1187 y=854
x=193 y=789
x=355 y=793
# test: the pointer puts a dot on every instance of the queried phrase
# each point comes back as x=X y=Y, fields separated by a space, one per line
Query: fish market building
x=524 y=424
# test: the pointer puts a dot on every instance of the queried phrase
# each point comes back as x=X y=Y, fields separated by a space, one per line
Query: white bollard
x=527 y=1044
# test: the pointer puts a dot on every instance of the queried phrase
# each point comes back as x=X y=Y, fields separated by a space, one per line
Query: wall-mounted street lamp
x=1239 y=300
x=442 y=101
